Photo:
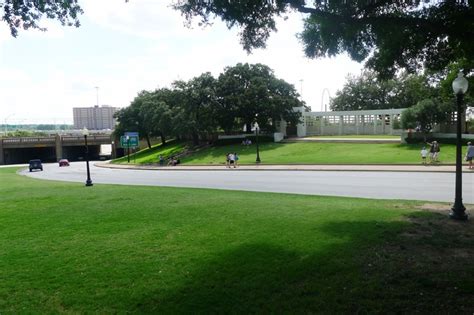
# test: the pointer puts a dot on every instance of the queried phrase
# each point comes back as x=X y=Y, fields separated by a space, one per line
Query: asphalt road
x=380 y=185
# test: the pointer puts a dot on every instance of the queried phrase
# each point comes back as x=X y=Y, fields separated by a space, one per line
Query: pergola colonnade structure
x=364 y=122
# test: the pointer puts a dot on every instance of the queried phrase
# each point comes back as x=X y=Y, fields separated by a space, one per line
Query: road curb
x=306 y=167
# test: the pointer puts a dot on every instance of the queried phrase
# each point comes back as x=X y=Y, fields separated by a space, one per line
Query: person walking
x=227 y=160
x=231 y=160
x=434 y=151
x=236 y=159
x=424 y=154
x=470 y=154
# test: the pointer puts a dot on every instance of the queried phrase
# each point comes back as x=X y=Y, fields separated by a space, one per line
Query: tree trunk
x=163 y=138
x=147 y=137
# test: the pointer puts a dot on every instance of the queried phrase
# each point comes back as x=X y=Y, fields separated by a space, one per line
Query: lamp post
x=128 y=148
x=256 y=127
x=85 y=132
x=460 y=85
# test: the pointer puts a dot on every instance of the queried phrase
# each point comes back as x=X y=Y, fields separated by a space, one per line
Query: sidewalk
x=300 y=167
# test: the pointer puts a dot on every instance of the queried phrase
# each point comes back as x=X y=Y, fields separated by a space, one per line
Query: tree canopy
x=389 y=35
x=27 y=14
x=366 y=91
x=204 y=105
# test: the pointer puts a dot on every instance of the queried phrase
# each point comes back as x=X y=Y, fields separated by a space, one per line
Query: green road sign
x=132 y=141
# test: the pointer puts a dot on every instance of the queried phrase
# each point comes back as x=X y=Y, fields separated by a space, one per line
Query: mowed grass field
x=320 y=153
x=298 y=153
x=66 y=248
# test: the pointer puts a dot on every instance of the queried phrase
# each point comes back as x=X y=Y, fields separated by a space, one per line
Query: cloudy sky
x=124 y=48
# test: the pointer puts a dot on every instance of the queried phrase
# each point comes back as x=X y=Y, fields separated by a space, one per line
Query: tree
x=368 y=92
x=159 y=107
x=426 y=114
x=195 y=113
x=245 y=90
x=136 y=117
x=26 y=14
x=389 y=35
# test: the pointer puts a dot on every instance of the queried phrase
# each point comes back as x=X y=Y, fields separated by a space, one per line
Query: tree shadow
x=368 y=267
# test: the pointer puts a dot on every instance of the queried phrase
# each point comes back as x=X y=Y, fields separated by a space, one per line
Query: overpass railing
x=28 y=140
x=90 y=138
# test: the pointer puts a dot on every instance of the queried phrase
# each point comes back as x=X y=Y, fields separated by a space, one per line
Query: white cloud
x=165 y=52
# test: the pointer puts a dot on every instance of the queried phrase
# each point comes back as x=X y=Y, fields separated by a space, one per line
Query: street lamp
x=85 y=132
x=256 y=127
x=460 y=85
x=128 y=148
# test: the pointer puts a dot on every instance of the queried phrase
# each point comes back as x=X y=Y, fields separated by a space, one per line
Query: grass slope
x=147 y=156
x=66 y=248
x=299 y=153
x=321 y=153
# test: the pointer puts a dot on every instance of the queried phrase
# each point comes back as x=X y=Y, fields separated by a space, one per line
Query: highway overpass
x=52 y=148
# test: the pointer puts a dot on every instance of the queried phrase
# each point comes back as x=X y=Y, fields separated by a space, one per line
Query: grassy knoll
x=321 y=153
x=359 y=137
x=66 y=248
x=147 y=156
x=300 y=153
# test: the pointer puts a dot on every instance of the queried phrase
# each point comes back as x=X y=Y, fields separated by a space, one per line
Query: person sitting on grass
x=162 y=160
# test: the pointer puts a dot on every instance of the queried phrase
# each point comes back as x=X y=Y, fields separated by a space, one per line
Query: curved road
x=380 y=185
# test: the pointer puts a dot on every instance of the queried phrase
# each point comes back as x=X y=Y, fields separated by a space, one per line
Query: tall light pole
x=301 y=88
x=97 y=94
x=256 y=139
x=85 y=132
x=460 y=85
x=325 y=90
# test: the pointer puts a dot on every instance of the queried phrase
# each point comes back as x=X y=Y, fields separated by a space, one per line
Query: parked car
x=36 y=165
x=63 y=162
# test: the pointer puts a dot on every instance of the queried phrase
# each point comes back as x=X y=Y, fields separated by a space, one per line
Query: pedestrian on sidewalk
x=424 y=154
x=227 y=160
x=231 y=160
x=470 y=154
x=236 y=159
x=434 y=151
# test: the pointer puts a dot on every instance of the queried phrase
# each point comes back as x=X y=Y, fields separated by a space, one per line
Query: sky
x=124 y=48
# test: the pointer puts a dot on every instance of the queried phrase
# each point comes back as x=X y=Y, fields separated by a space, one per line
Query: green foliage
x=198 y=108
x=426 y=114
x=246 y=90
x=367 y=92
x=27 y=14
x=388 y=34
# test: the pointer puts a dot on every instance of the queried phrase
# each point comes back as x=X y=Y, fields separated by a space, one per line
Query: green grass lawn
x=359 y=137
x=321 y=153
x=66 y=248
x=300 y=153
x=147 y=156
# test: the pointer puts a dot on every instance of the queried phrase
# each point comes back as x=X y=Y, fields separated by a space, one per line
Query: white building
x=94 y=118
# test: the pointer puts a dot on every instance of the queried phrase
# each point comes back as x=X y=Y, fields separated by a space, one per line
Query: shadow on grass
x=372 y=268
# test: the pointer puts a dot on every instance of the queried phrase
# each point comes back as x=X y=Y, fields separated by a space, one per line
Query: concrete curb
x=295 y=167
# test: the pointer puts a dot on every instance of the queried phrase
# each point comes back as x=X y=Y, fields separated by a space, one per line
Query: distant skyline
x=123 y=48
